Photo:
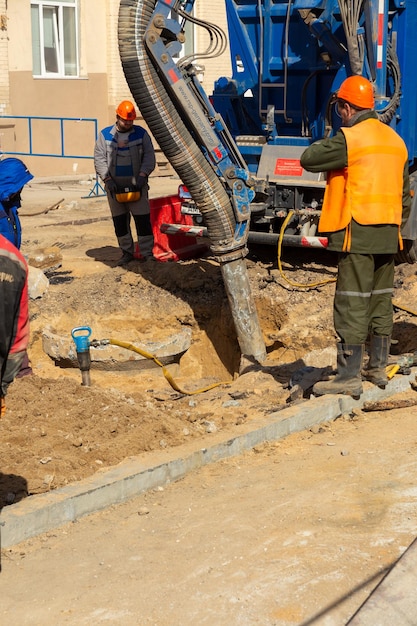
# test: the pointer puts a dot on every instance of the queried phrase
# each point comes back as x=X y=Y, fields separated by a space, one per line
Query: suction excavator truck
x=237 y=150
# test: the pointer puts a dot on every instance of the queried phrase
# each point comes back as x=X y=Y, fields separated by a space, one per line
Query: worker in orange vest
x=366 y=201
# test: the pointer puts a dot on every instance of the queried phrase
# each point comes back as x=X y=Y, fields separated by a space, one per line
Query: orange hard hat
x=358 y=91
x=126 y=110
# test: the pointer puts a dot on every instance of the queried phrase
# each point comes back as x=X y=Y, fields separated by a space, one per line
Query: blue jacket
x=13 y=177
x=10 y=224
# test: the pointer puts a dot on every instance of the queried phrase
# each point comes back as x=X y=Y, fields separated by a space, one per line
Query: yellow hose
x=290 y=282
x=148 y=355
x=325 y=282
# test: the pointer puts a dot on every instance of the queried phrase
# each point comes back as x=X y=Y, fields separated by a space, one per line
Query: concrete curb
x=44 y=512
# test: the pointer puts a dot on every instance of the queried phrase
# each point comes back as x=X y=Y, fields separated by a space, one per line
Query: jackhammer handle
x=81 y=335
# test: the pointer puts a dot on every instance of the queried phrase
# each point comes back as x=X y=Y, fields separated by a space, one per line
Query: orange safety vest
x=369 y=190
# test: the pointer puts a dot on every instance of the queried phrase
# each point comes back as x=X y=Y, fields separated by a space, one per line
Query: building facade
x=61 y=79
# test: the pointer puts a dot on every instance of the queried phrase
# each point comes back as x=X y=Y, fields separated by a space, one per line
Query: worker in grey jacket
x=124 y=157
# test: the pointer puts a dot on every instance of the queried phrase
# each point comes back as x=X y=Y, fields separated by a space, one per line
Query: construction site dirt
x=57 y=431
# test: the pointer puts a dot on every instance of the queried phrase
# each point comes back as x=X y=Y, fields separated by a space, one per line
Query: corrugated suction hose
x=194 y=170
x=167 y=126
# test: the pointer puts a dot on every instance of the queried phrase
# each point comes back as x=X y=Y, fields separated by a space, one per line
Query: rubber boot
x=127 y=248
x=378 y=358
x=145 y=243
x=348 y=379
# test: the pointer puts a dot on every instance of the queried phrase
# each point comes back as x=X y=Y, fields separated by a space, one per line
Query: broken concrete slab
x=45 y=258
x=61 y=348
x=38 y=283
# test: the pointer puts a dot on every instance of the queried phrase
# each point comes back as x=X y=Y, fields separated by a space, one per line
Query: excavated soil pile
x=57 y=431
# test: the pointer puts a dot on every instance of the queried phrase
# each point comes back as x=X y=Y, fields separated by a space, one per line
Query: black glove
x=110 y=186
x=140 y=182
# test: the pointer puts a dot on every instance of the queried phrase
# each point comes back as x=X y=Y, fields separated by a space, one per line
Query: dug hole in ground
x=275 y=536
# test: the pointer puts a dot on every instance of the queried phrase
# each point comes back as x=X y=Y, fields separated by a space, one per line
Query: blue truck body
x=288 y=59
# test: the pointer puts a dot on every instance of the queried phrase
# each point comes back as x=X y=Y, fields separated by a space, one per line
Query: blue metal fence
x=61 y=153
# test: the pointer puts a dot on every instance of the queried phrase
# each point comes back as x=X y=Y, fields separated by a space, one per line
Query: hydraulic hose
x=166 y=373
x=188 y=160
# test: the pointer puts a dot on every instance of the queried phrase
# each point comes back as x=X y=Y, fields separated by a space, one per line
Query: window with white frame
x=55 y=38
